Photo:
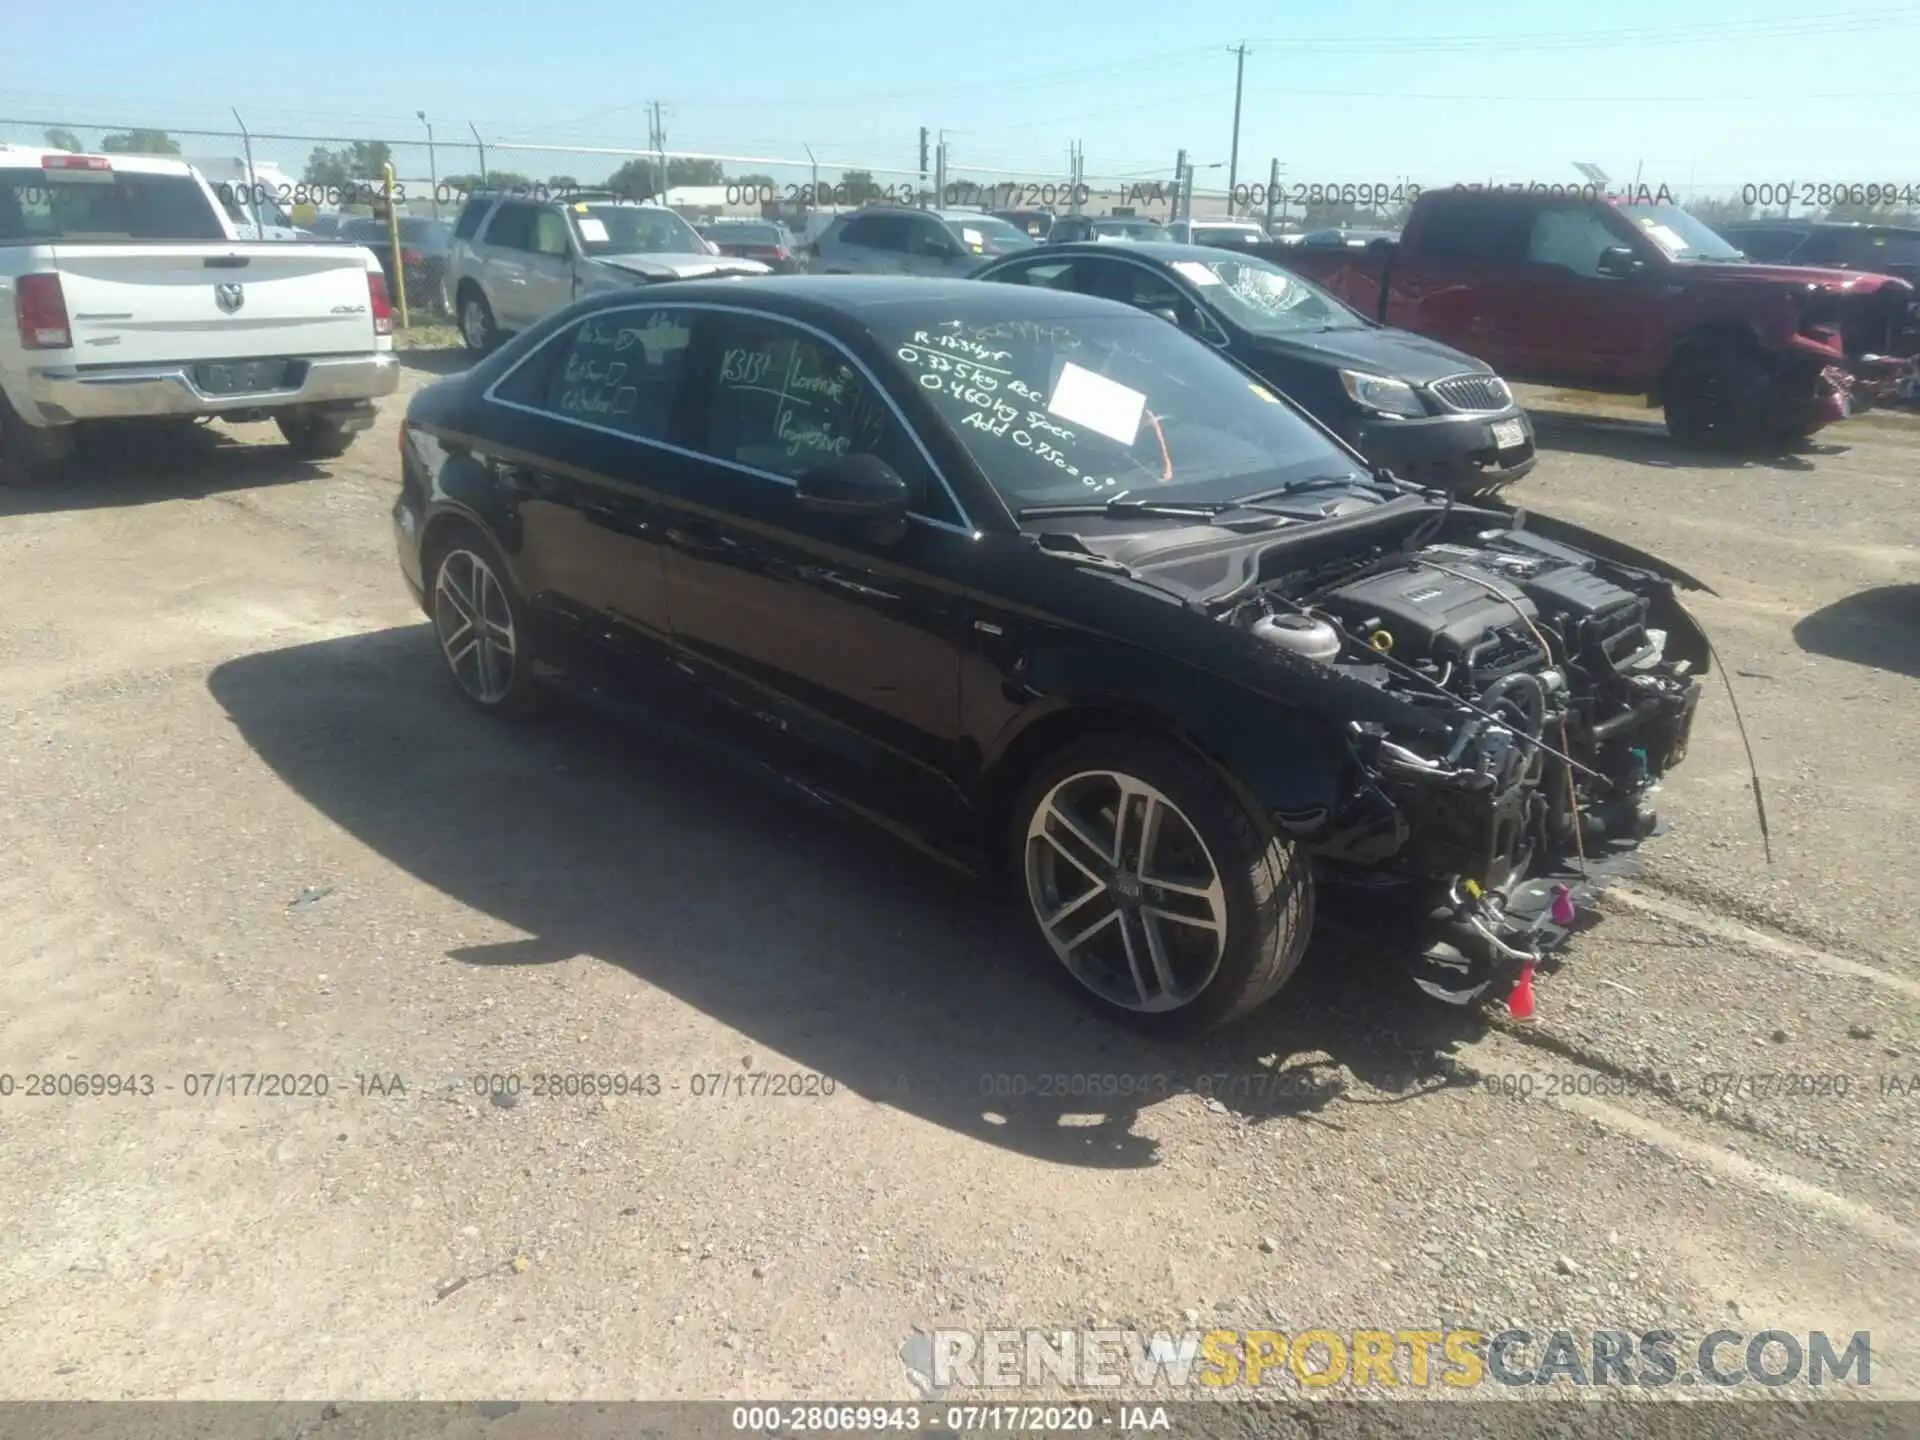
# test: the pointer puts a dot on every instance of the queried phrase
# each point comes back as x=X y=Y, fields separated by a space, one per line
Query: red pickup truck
x=1632 y=297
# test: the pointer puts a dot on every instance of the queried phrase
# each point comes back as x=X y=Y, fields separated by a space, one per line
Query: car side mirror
x=1168 y=314
x=854 y=487
x=1618 y=262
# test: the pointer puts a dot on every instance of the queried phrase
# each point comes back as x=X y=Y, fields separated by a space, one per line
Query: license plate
x=1509 y=434
x=241 y=377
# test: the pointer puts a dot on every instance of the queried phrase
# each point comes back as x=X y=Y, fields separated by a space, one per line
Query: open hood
x=682 y=267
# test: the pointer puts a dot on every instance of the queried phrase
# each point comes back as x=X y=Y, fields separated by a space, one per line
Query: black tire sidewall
x=523 y=691
x=316 y=437
x=1744 y=406
x=1268 y=882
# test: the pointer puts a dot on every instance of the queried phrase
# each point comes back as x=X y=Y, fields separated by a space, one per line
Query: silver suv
x=913 y=242
x=517 y=258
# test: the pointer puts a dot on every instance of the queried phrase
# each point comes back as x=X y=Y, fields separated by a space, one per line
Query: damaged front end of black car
x=1511 y=690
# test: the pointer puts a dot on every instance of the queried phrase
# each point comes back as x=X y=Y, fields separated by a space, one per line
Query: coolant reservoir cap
x=1303 y=634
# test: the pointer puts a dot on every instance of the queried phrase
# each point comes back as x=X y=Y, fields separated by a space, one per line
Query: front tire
x=481 y=624
x=1717 y=399
x=1153 y=887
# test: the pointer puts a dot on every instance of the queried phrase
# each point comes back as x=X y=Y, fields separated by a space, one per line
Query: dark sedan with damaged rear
x=1046 y=584
x=1425 y=411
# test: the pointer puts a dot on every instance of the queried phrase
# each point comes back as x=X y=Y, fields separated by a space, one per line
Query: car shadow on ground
x=142 y=465
x=436 y=362
x=1646 y=442
x=820 y=938
x=1878 y=627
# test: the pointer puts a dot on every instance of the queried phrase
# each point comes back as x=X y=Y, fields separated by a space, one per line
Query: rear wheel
x=1718 y=398
x=477 y=328
x=22 y=461
x=315 y=437
x=1155 y=890
x=481 y=623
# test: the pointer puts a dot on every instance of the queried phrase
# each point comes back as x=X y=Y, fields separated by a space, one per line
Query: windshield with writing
x=630 y=230
x=1082 y=408
x=1264 y=298
x=1678 y=234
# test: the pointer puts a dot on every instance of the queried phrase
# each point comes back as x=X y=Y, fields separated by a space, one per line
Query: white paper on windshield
x=973 y=237
x=1196 y=272
x=1102 y=405
x=594 y=232
x=1666 y=238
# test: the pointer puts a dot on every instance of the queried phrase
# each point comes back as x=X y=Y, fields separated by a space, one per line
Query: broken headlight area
x=1545 y=694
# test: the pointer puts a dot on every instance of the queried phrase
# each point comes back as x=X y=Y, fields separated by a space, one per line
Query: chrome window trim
x=966 y=527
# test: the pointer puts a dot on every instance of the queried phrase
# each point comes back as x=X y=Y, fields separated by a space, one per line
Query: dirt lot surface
x=248 y=829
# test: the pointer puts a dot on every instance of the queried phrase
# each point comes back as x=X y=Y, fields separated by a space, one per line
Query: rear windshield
x=1127 y=229
x=37 y=206
x=745 y=234
x=1226 y=235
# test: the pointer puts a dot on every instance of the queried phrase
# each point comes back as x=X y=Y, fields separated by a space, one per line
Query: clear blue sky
x=1709 y=93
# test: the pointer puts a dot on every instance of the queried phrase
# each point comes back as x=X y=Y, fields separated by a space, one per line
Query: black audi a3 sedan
x=1422 y=409
x=1021 y=569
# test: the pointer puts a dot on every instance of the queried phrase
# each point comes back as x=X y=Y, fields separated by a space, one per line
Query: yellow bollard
x=399 y=264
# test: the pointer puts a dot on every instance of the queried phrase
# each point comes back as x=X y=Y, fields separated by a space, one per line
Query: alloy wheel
x=474 y=622
x=1126 y=892
x=473 y=325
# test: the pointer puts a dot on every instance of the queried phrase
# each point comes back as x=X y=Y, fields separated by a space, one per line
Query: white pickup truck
x=132 y=300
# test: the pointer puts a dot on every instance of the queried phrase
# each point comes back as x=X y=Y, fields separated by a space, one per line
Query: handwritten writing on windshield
x=996 y=402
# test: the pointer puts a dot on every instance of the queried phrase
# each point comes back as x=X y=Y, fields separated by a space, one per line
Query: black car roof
x=865 y=300
x=1163 y=251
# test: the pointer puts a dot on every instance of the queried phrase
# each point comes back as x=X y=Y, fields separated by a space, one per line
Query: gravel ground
x=248 y=828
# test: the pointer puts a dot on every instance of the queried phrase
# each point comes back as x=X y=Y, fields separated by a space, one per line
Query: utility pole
x=940 y=173
x=1273 y=190
x=923 y=166
x=433 y=170
x=252 y=206
x=1233 y=156
x=657 y=142
x=1179 y=184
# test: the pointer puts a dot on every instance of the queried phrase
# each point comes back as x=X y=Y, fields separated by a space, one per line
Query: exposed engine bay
x=1543 y=706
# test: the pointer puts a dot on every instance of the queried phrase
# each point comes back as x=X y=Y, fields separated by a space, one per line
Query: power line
x=1701 y=32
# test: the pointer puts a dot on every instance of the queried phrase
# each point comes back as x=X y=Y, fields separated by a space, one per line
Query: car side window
x=1572 y=238
x=876 y=232
x=1049 y=275
x=511 y=227
x=1829 y=247
x=550 y=235
x=928 y=237
x=1129 y=284
x=783 y=400
x=470 y=218
x=1485 y=230
x=617 y=369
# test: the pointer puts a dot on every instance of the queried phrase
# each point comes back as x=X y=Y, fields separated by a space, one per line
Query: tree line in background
x=362 y=161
